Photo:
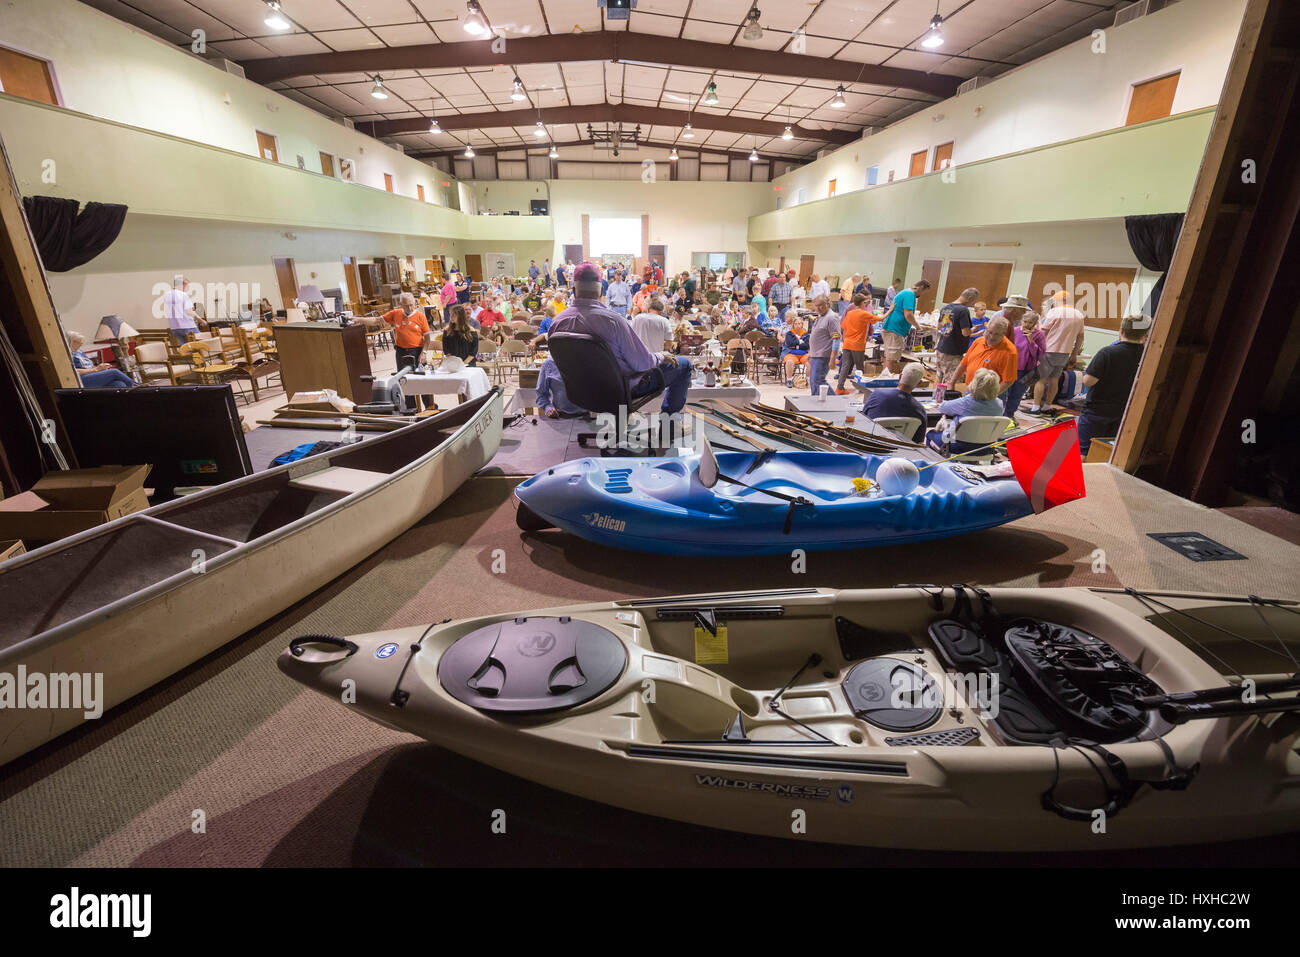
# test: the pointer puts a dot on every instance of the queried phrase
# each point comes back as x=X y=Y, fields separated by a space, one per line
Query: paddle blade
x=1048 y=465
x=708 y=471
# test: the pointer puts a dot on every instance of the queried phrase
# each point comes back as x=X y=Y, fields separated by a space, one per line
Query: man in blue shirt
x=899 y=403
x=618 y=295
x=901 y=321
x=533 y=271
x=551 y=397
x=589 y=316
x=780 y=296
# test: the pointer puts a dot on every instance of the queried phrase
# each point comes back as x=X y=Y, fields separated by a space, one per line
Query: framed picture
x=347 y=170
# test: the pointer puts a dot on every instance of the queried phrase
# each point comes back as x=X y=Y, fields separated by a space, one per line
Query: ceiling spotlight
x=275 y=19
x=753 y=30
x=934 y=38
x=788 y=134
x=518 y=93
x=838 y=103
x=673 y=155
x=475 y=23
x=433 y=126
x=554 y=154
x=753 y=155
x=378 y=91
x=711 y=95
x=469 y=152
x=688 y=131
x=540 y=130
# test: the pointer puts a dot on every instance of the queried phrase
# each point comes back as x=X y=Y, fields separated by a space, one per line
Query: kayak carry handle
x=295 y=646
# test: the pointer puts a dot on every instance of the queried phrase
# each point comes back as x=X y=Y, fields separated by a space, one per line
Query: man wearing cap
x=587 y=315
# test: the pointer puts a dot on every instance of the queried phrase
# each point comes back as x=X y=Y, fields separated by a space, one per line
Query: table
x=741 y=390
x=469 y=383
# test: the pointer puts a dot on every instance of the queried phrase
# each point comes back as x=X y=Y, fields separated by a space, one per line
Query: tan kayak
x=917 y=717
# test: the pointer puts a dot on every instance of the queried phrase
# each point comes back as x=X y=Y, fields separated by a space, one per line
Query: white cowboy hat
x=451 y=364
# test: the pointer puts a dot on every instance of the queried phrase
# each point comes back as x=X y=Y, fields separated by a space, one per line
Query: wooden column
x=586 y=234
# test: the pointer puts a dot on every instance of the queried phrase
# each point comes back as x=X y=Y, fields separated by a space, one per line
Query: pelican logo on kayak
x=386 y=651
x=534 y=646
x=813 y=791
x=607 y=522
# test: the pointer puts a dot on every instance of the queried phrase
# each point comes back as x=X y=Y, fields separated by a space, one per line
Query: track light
x=518 y=93
x=838 y=103
x=475 y=23
x=934 y=38
x=540 y=129
x=711 y=95
x=469 y=152
x=688 y=131
x=673 y=155
x=275 y=19
x=753 y=30
x=554 y=153
x=378 y=91
x=788 y=134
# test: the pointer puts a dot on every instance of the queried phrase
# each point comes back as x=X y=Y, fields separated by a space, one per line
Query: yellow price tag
x=710 y=649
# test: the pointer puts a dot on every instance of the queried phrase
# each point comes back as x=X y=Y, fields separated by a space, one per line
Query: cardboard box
x=65 y=503
x=528 y=378
x=1100 y=450
x=11 y=549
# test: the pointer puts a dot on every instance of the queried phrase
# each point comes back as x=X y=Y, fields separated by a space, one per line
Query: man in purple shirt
x=588 y=315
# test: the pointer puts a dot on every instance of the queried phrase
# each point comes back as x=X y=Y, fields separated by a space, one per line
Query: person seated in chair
x=459 y=338
x=655 y=371
x=551 y=397
x=105 y=375
x=981 y=398
x=899 y=402
x=1109 y=378
x=794 y=351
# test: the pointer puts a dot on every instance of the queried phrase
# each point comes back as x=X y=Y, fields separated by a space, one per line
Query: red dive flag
x=1048 y=466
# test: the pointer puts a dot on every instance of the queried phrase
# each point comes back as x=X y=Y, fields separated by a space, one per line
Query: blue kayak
x=802 y=500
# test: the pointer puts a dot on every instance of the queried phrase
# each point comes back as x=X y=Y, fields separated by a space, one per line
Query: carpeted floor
x=283 y=777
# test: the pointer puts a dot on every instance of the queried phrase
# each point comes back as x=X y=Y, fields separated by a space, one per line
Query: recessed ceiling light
x=788 y=134
x=753 y=29
x=518 y=93
x=838 y=103
x=475 y=23
x=934 y=38
x=378 y=91
x=275 y=19
x=711 y=95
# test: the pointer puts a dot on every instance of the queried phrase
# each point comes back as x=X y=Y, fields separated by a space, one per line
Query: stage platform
x=288 y=778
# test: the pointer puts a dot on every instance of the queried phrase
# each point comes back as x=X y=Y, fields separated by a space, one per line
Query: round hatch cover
x=892 y=694
x=532 y=665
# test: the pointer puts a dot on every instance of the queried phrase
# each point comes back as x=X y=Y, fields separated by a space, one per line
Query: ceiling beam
x=599 y=113
x=598 y=45
x=538 y=149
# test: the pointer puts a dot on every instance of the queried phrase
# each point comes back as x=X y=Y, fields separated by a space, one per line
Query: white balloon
x=897 y=476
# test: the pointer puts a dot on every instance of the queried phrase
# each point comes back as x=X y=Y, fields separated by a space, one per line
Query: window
x=419 y=192
x=831 y=192
x=917 y=165
x=388 y=182
x=873 y=175
x=1152 y=99
x=27 y=76
x=326 y=164
x=802 y=194
x=942 y=157
x=266 y=147
x=778 y=202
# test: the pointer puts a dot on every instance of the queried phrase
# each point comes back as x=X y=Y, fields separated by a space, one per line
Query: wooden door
x=1152 y=100
x=388 y=182
x=27 y=77
x=805 y=269
x=474 y=266
x=266 y=147
x=573 y=253
x=287 y=278
x=353 y=281
x=917 y=166
x=1101 y=293
x=327 y=164
x=942 y=157
x=991 y=279
x=419 y=192
x=930 y=270
x=831 y=191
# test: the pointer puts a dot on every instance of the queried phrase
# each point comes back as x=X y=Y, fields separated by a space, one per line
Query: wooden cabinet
x=371 y=278
x=322 y=355
x=390 y=270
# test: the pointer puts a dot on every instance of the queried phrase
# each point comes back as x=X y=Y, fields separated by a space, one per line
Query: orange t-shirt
x=408 y=331
x=854 y=329
x=1001 y=358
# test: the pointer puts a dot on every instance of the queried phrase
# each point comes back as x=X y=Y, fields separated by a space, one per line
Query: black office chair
x=593 y=380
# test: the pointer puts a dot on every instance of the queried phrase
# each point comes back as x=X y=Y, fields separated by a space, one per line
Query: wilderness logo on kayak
x=813 y=791
x=607 y=522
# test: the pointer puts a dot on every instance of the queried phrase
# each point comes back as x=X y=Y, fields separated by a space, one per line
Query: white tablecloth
x=469 y=382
